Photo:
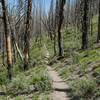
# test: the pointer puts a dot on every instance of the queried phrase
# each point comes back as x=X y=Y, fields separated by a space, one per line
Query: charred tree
x=8 y=40
x=85 y=9
x=60 y=21
x=98 y=37
x=27 y=35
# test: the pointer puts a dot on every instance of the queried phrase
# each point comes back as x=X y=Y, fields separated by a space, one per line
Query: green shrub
x=3 y=98
x=84 y=87
x=42 y=96
x=36 y=77
x=65 y=73
x=41 y=81
x=97 y=71
x=76 y=57
x=3 y=77
x=18 y=84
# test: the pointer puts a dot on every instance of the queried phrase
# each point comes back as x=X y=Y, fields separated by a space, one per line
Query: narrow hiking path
x=60 y=88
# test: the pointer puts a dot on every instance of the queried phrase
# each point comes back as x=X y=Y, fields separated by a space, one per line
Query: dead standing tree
x=85 y=20
x=8 y=40
x=60 y=22
x=98 y=37
x=27 y=35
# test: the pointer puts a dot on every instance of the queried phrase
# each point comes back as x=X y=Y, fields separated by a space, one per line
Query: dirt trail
x=59 y=86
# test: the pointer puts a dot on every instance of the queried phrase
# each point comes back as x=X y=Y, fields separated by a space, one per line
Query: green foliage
x=33 y=96
x=18 y=84
x=97 y=92
x=50 y=46
x=72 y=36
x=3 y=77
x=42 y=96
x=31 y=80
x=97 y=74
x=72 y=39
x=97 y=70
x=41 y=81
x=3 y=98
x=36 y=54
x=84 y=88
x=83 y=74
x=75 y=57
x=95 y=24
x=18 y=67
x=65 y=72
x=37 y=78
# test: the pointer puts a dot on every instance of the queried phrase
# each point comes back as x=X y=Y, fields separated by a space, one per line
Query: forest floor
x=75 y=76
x=80 y=70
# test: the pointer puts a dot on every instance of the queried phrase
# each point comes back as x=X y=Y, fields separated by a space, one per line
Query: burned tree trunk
x=27 y=35
x=98 y=37
x=8 y=40
x=85 y=7
x=60 y=21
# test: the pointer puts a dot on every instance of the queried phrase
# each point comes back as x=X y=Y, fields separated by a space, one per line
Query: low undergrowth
x=82 y=72
x=34 y=80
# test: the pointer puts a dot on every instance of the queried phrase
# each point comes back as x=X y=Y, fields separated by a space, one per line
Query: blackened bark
x=27 y=35
x=98 y=37
x=60 y=21
x=54 y=44
x=85 y=24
